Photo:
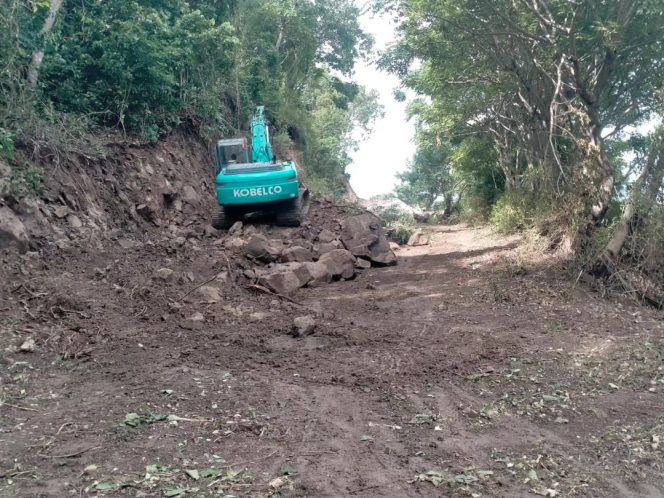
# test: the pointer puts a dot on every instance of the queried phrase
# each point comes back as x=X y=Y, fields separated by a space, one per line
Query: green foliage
x=400 y=225
x=536 y=98
x=6 y=144
x=140 y=66
x=511 y=213
x=401 y=233
x=146 y=66
x=26 y=180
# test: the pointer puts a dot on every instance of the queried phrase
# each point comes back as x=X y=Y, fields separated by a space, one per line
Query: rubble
x=363 y=236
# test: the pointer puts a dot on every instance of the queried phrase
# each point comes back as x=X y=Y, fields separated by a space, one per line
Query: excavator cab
x=231 y=151
x=260 y=184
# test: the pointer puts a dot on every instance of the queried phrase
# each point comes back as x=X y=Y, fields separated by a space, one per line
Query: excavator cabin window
x=231 y=151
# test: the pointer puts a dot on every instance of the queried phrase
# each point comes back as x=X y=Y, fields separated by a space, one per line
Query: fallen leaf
x=132 y=419
x=105 y=486
x=174 y=492
x=193 y=473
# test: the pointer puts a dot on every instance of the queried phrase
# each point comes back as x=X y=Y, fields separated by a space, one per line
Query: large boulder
x=363 y=236
x=296 y=254
x=286 y=278
x=12 y=230
x=326 y=236
x=418 y=238
x=189 y=195
x=320 y=274
x=325 y=247
x=260 y=248
x=339 y=263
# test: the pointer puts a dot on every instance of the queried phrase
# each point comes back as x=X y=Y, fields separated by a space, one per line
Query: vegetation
x=146 y=67
x=545 y=112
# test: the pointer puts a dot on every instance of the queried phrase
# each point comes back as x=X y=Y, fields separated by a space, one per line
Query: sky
x=387 y=150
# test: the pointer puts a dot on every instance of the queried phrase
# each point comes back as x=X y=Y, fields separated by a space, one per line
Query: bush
x=6 y=144
x=400 y=233
x=398 y=224
x=26 y=180
x=511 y=213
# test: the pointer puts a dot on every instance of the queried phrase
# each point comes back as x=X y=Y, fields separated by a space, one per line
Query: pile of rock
x=297 y=260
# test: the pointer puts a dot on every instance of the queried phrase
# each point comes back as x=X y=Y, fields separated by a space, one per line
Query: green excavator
x=252 y=180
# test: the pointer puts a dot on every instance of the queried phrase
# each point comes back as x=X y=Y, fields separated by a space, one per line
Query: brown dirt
x=474 y=360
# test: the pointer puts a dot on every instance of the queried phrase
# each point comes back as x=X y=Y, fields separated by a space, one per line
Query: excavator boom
x=261 y=148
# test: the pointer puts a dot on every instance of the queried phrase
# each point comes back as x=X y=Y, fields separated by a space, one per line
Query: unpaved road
x=473 y=368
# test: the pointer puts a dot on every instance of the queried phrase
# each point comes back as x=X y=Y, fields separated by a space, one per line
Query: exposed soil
x=473 y=368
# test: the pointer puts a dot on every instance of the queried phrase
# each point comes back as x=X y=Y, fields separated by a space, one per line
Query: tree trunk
x=653 y=169
x=38 y=55
x=603 y=178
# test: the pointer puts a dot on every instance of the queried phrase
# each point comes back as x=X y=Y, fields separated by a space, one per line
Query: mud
x=502 y=382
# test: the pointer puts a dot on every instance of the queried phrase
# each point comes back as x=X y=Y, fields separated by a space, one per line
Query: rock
x=394 y=246
x=5 y=178
x=28 y=346
x=296 y=254
x=362 y=264
x=260 y=248
x=303 y=326
x=326 y=247
x=319 y=274
x=147 y=211
x=418 y=239
x=127 y=243
x=339 y=263
x=235 y=243
x=258 y=316
x=74 y=221
x=62 y=244
x=194 y=322
x=278 y=483
x=12 y=231
x=189 y=195
x=210 y=294
x=326 y=236
x=236 y=228
x=165 y=274
x=363 y=236
x=210 y=231
x=286 y=278
x=237 y=312
x=61 y=212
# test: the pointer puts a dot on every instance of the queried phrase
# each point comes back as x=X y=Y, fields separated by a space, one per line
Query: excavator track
x=224 y=219
x=295 y=212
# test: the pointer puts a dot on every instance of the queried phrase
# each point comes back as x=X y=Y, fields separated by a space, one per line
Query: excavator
x=252 y=180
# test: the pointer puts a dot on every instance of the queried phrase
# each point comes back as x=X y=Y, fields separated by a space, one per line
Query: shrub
x=511 y=213
x=26 y=180
x=6 y=144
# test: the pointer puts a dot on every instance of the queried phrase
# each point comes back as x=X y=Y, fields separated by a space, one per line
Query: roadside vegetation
x=70 y=71
x=542 y=115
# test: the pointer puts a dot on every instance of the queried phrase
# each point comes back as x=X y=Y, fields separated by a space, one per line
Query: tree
x=552 y=83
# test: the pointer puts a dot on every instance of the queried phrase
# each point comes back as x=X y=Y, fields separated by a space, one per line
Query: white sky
x=390 y=145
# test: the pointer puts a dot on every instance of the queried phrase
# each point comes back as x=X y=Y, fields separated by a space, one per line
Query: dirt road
x=473 y=368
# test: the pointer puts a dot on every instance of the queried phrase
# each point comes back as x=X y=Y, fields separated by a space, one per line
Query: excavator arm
x=261 y=148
